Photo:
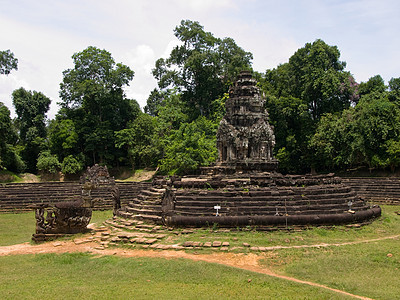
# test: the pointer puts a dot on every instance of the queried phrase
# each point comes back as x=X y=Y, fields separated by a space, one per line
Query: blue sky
x=44 y=34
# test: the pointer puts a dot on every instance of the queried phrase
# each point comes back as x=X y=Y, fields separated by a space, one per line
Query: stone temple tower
x=245 y=139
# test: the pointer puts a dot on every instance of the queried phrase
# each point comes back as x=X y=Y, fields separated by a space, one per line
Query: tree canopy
x=94 y=102
x=9 y=157
x=7 y=62
x=323 y=119
x=200 y=68
x=311 y=84
x=31 y=108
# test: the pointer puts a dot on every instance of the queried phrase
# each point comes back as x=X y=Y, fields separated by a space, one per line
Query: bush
x=48 y=162
x=70 y=165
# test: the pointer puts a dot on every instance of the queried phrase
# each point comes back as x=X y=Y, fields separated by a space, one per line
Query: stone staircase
x=146 y=206
x=19 y=196
x=385 y=190
x=268 y=201
x=259 y=200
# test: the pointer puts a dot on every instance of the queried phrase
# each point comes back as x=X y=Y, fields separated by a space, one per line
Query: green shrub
x=70 y=165
x=48 y=162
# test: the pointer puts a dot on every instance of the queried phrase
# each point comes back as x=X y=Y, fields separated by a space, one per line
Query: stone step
x=155 y=219
x=262 y=202
x=144 y=211
x=145 y=202
x=157 y=190
x=151 y=193
x=143 y=197
x=146 y=206
x=272 y=212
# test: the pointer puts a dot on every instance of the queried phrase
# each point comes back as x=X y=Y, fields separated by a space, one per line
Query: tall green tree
x=374 y=84
x=93 y=98
x=394 y=90
x=367 y=135
x=299 y=93
x=293 y=126
x=141 y=141
x=190 y=147
x=63 y=138
x=31 y=108
x=7 y=62
x=315 y=75
x=9 y=158
x=200 y=68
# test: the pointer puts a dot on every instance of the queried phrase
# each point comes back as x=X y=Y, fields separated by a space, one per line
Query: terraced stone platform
x=262 y=200
x=385 y=190
x=20 y=196
x=243 y=187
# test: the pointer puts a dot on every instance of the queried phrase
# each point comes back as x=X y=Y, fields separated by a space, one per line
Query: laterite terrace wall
x=19 y=196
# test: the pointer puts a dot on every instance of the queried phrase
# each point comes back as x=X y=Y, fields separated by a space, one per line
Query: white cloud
x=205 y=5
x=142 y=60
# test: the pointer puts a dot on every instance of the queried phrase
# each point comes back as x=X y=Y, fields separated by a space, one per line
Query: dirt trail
x=249 y=261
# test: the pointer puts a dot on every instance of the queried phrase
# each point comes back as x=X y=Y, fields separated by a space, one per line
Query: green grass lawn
x=371 y=269
x=367 y=269
x=18 y=228
x=82 y=276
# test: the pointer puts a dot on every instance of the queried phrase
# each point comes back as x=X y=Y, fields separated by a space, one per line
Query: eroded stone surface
x=245 y=139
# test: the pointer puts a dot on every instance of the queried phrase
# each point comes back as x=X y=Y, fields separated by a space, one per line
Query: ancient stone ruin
x=243 y=188
x=53 y=221
x=245 y=139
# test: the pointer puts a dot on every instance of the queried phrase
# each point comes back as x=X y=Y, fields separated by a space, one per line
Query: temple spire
x=245 y=139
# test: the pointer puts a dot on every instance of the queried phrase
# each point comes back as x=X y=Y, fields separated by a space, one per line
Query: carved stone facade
x=62 y=218
x=245 y=139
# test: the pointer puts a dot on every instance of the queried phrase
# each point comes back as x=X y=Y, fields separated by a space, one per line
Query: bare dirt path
x=249 y=261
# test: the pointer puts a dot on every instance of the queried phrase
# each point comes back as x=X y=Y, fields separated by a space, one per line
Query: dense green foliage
x=200 y=68
x=93 y=108
x=140 y=141
x=299 y=93
x=71 y=165
x=31 y=108
x=366 y=135
x=7 y=62
x=9 y=157
x=323 y=119
x=48 y=163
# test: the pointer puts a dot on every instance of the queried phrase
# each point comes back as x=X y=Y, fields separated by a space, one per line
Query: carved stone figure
x=74 y=216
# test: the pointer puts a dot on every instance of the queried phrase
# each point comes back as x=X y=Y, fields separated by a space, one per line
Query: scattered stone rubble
x=117 y=232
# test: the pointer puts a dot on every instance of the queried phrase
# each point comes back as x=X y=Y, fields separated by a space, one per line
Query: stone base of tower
x=250 y=166
x=262 y=200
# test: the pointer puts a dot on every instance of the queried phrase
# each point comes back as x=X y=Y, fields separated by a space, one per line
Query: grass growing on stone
x=18 y=228
x=80 y=275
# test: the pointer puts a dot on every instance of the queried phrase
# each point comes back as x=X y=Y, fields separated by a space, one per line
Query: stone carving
x=74 y=216
x=245 y=139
